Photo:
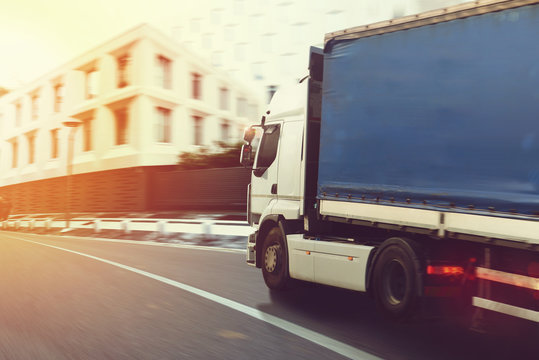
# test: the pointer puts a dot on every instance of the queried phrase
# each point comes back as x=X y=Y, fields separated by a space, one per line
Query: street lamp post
x=72 y=125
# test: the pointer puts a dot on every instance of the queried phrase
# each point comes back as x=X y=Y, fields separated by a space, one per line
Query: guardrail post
x=126 y=226
x=207 y=229
x=32 y=224
x=162 y=227
x=97 y=225
x=48 y=224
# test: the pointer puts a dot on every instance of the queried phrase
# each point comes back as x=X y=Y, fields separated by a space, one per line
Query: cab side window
x=268 y=149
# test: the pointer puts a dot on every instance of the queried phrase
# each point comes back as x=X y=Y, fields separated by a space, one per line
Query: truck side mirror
x=249 y=134
x=246 y=157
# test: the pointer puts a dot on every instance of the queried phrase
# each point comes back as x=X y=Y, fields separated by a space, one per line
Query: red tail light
x=445 y=270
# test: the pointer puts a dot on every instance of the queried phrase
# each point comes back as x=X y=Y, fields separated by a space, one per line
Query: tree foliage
x=220 y=156
x=3 y=91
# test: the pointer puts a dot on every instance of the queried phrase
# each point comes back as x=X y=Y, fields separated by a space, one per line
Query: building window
x=228 y=32
x=163 y=72
x=58 y=97
x=333 y=19
x=35 y=106
x=91 y=83
x=242 y=107
x=225 y=131
x=255 y=23
x=54 y=143
x=258 y=69
x=123 y=70
x=253 y=112
x=197 y=120
x=272 y=89
x=195 y=26
x=216 y=16
x=238 y=7
x=301 y=29
x=239 y=132
x=196 y=86
x=121 y=118
x=31 y=138
x=217 y=58
x=18 y=114
x=163 y=125
x=87 y=134
x=14 y=153
x=223 y=98
x=207 y=40
x=240 y=51
x=267 y=42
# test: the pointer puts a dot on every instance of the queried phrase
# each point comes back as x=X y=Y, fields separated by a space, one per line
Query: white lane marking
x=317 y=338
x=138 y=242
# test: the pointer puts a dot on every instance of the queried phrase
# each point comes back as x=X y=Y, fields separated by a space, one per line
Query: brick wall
x=200 y=189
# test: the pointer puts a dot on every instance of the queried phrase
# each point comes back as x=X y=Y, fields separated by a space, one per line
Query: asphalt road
x=73 y=298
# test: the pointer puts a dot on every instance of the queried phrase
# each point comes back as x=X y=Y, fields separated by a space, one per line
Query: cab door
x=290 y=169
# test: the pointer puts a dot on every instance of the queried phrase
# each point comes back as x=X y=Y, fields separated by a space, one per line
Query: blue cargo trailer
x=406 y=165
x=441 y=116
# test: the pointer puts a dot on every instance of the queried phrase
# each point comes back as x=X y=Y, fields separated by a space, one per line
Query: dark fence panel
x=200 y=189
x=36 y=196
x=113 y=190
x=133 y=189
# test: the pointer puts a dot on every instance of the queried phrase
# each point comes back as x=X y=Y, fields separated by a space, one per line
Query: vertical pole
x=486 y=284
x=68 y=176
x=478 y=320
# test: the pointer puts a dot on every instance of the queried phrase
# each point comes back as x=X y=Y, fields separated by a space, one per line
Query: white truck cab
x=277 y=181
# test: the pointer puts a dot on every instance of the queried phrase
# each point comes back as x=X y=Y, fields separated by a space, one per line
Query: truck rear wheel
x=275 y=260
x=396 y=282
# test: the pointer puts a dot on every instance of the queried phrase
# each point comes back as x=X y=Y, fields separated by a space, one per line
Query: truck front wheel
x=275 y=260
x=396 y=281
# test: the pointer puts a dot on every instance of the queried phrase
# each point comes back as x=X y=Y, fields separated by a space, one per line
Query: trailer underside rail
x=519 y=281
x=508 y=278
x=506 y=309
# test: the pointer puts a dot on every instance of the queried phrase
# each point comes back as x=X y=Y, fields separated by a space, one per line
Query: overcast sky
x=37 y=36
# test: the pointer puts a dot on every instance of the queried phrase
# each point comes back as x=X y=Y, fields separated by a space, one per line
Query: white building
x=142 y=99
x=267 y=41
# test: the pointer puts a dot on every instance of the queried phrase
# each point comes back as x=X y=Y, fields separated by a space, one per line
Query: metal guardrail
x=127 y=225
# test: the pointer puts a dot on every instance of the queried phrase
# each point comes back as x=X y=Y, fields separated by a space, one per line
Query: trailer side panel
x=440 y=116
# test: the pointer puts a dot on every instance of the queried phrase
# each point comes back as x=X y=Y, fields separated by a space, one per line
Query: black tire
x=275 y=260
x=396 y=279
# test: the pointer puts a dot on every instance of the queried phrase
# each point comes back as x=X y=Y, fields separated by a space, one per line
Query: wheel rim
x=395 y=282
x=271 y=258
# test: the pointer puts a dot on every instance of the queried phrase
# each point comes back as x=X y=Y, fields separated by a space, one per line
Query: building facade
x=141 y=99
x=268 y=41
